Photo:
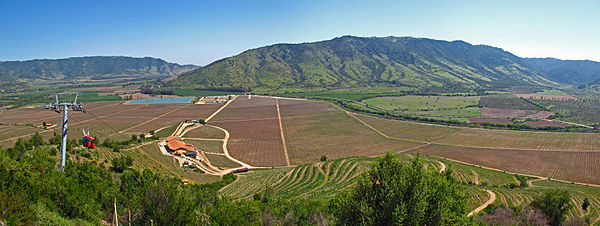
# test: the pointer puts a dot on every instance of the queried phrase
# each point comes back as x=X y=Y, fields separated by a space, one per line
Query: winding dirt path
x=491 y=200
x=530 y=182
x=442 y=166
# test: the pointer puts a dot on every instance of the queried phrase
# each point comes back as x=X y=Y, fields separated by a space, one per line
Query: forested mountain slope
x=96 y=67
x=362 y=62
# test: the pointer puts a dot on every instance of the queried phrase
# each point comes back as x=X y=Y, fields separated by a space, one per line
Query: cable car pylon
x=64 y=108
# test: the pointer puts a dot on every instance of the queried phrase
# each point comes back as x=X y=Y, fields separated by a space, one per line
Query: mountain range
x=86 y=68
x=349 y=61
x=343 y=62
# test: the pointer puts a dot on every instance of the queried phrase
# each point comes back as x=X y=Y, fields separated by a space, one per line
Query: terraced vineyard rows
x=309 y=180
x=476 y=197
x=479 y=176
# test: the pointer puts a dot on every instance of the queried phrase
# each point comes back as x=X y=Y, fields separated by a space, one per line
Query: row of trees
x=371 y=111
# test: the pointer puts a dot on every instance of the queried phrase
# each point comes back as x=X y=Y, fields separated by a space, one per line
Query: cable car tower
x=64 y=108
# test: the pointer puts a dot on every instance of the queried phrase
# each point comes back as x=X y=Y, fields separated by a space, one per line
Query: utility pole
x=64 y=108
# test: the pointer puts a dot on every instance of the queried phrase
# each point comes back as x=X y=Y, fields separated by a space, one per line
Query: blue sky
x=199 y=32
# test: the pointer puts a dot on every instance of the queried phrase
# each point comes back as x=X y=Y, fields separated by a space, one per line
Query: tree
x=585 y=204
x=134 y=137
x=395 y=193
x=121 y=163
x=323 y=158
x=37 y=139
x=554 y=204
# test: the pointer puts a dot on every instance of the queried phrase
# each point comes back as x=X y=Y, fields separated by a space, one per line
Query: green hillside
x=572 y=72
x=81 y=68
x=348 y=61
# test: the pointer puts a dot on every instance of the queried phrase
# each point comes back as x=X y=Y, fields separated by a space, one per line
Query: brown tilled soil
x=490 y=120
x=573 y=166
x=256 y=142
x=543 y=123
x=504 y=113
x=540 y=115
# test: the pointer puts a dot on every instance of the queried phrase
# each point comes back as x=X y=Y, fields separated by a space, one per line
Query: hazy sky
x=199 y=32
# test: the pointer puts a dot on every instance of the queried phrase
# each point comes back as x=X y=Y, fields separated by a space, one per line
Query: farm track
x=157 y=117
x=491 y=200
x=285 y=151
x=56 y=128
x=424 y=143
x=442 y=166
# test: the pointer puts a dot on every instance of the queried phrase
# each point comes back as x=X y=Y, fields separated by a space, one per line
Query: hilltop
x=349 y=61
x=85 y=68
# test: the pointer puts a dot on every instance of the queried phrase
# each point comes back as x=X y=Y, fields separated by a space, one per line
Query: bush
x=323 y=158
x=394 y=193
x=554 y=204
x=121 y=163
x=585 y=204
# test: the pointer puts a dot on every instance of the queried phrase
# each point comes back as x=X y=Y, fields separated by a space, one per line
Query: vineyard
x=319 y=180
x=254 y=129
x=524 y=140
x=324 y=180
x=330 y=132
x=573 y=166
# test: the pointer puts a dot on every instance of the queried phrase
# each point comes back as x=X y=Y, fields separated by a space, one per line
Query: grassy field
x=205 y=132
x=169 y=166
x=445 y=106
x=409 y=130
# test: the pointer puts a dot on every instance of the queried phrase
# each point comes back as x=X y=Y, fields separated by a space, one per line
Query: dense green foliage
x=554 y=204
x=393 y=193
x=33 y=191
x=367 y=62
x=120 y=164
x=572 y=72
x=95 y=68
x=507 y=101
x=585 y=111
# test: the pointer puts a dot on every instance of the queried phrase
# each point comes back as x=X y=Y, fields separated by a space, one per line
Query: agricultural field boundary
x=157 y=117
x=459 y=145
x=522 y=174
x=285 y=151
x=220 y=109
x=55 y=128
x=485 y=167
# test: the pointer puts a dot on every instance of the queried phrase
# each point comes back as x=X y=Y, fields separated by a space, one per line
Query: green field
x=440 y=106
